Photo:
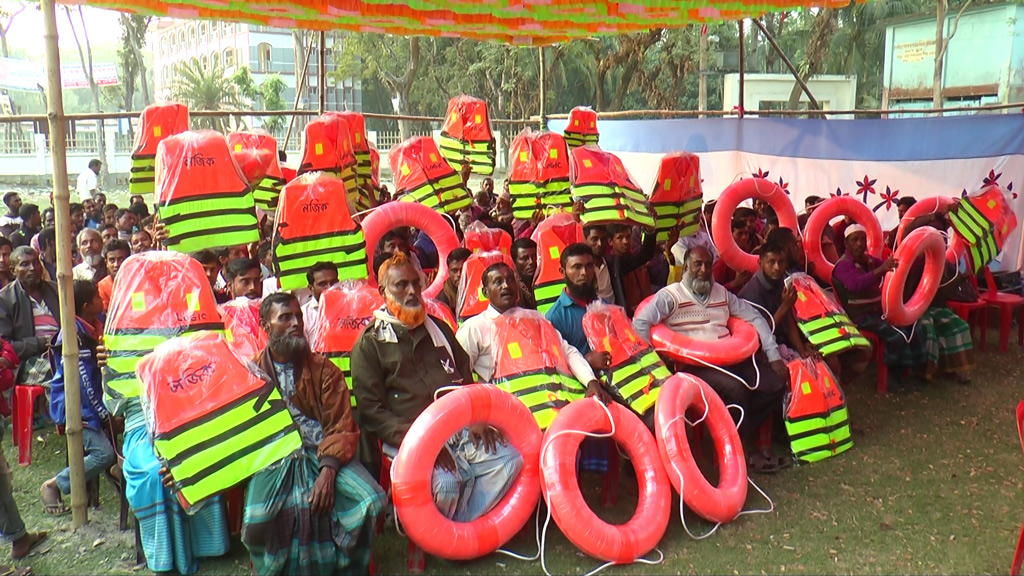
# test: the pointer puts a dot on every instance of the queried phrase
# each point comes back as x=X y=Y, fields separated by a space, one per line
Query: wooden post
x=62 y=214
x=543 y=91
x=321 y=74
x=702 y=79
x=742 y=65
x=298 y=91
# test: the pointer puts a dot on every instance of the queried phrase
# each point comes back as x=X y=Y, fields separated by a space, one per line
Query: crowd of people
x=404 y=356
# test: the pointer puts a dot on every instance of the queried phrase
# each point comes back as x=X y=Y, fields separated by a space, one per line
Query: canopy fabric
x=527 y=22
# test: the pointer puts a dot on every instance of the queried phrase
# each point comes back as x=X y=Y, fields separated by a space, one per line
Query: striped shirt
x=45 y=323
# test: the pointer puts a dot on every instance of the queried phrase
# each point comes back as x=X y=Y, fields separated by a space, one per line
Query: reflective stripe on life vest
x=816 y=438
x=446 y=194
x=292 y=258
x=142 y=177
x=639 y=380
x=267 y=192
x=343 y=360
x=479 y=155
x=611 y=203
x=215 y=220
x=544 y=392
x=976 y=230
x=833 y=333
x=577 y=140
x=546 y=294
x=670 y=215
x=528 y=197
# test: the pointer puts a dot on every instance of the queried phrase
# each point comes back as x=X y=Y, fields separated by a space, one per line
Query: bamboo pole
x=743 y=64
x=543 y=89
x=62 y=214
x=298 y=92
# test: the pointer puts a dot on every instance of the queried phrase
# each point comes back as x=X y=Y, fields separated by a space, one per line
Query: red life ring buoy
x=926 y=241
x=741 y=343
x=414 y=465
x=720 y=503
x=829 y=209
x=721 y=221
x=932 y=205
x=623 y=543
x=396 y=214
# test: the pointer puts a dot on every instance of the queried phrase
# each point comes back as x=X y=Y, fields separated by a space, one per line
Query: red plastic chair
x=975 y=314
x=1007 y=304
x=879 y=349
x=417 y=559
x=21 y=419
x=1018 y=554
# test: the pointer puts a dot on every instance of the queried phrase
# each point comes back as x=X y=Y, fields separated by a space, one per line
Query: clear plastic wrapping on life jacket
x=581 y=129
x=214 y=419
x=816 y=416
x=609 y=194
x=472 y=295
x=375 y=166
x=345 y=310
x=677 y=195
x=257 y=147
x=242 y=328
x=158 y=121
x=983 y=220
x=466 y=135
x=157 y=295
x=423 y=175
x=479 y=238
x=538 y=173
x=523 y=341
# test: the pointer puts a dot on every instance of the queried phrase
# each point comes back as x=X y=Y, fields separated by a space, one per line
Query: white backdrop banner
x=875 y=161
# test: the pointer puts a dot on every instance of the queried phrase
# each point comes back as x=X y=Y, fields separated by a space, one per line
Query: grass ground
x=934 y=484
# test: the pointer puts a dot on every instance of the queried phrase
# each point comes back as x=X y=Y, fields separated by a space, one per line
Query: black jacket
x=16 y=323
x=620 y=266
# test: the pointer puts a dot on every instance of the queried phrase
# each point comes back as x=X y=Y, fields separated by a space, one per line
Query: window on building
x=215 y=30
x=181 y=39
x=163 y=45
x=215 y=59
x=204 y=62
x=191 y=35
x=265 y=55
x=204 y=32
x=229 y=57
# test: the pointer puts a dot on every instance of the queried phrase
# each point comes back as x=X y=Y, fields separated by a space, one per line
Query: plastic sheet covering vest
x=983 y=220
x=345 y=310
x=509 y=21
x=374 y=167
x=422 y=175
x=472 y=295
x=552 y=235
x=581 y=130
x=327 y=147
x=479 y=238
x=822 y=320
x=157 y=295
x=268 y=187
x=157 y=121
x=202 y=195
x=214 y=422
x=607 y=191
x=636 y=372
x=466 y=136
x=538 y=174
x=242 y=329
x=530 y=365
x=314 y=225
x=362 y=194
x=677 y=195
x=817 y=421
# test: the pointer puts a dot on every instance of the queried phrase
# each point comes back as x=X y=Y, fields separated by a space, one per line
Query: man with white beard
x=700 y=308
x=90 y=248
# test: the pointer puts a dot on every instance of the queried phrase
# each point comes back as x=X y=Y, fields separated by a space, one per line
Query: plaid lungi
x=899 y=353
x=949 y=345
x=285 y=537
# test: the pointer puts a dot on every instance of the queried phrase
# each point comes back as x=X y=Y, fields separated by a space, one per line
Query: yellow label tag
x=991 y=204
x=587 y=163
x=192 y=300
x=157 y=131
x=228 y=336
x=454 y=117
x=433 y=157
x=359 y=138
x=319 y=149
x=514 y=351
x=405 y=169
x=479 y=119
x=806 y=387
x=591 y=124
x=801 y=296
x=575 y=122
x=523 y=156
x=553 y=153
x=138 y=302
x=606 y=343
x=238 y=147
x=554 y=252
x=828 y=383
x=668 y=183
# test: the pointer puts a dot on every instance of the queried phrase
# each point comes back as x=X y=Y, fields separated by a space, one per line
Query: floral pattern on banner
x=839 y=192
x=888 y=199
x=866 y=186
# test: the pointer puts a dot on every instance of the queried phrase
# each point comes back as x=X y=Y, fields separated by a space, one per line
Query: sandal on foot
x=761 y=464
x=56 y=509
x=34 y=540
x=8 y=570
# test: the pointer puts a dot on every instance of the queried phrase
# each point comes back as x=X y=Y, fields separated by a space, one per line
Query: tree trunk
x=817 y=48
x=940 y=36
x=87 y=70
x=133 y=39
x=299 y=39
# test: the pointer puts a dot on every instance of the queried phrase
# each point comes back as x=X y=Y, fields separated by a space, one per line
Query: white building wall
x=833 y=92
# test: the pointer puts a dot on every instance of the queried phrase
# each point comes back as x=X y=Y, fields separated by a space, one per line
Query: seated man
x=700 y=308
x=316 y=513
x=90 y=248
x=449 y=295
x=29 y=316
x=114 y=255
x=319 y=278
x=857 y=279
x=243 y=279
x=767 y=289
x=398 y=363
x=579 y=269
x=723 y=273
x=524 y=255
x=502 y=289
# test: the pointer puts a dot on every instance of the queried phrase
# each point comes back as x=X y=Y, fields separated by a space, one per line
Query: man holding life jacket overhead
x=399 y=363
x=700 y=308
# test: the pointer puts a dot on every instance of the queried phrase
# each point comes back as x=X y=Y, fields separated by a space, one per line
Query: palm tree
x=207 y=89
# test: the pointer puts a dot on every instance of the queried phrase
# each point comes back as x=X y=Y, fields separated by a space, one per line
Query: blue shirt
x=566 y=315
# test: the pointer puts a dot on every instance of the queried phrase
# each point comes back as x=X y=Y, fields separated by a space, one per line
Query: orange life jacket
x=816 y=417
x=823 y=322
x=314 y=225
x=268 y=188
x=581 y=129
x=242 y=328
x=361 y=149
x=156 y=296
x=157 y=121
x=538 y=174
x=983 y=221
x=203 y=197
x=466 y=135
x=530 y=365
x=677 y=194
x=552 y=236
x=214 y=423
x=422 y=175
x=344 y=312
x=636 y=372
x=480 y=238
x=375 y=167
x=608 y=193
x=472 y=299
x=327 y=147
